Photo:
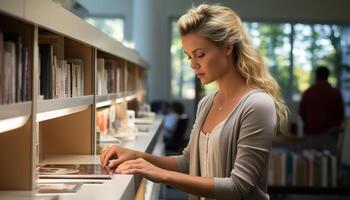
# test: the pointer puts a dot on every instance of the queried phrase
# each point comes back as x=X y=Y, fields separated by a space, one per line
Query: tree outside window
x=182 y=76
x=291 y=52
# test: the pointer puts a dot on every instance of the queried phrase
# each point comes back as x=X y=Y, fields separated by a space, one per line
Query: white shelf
x=63 y=21
x=107 y=100
x=13 y=7
x=106 y=97
x=57 y=104
x=53 y=108
x=15 y=110
x=15 y=115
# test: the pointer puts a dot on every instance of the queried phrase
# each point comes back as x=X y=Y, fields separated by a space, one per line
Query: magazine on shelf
x=80 y=171
x=57 y=188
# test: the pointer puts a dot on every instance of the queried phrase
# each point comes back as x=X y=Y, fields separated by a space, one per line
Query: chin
x=205 y=82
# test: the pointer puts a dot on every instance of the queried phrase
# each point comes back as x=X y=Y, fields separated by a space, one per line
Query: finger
x=102 y=155
x=130 y=171
x=108 y=155
x=127 y=167
x=115 y=163
x=122 y=163
x=102 y=158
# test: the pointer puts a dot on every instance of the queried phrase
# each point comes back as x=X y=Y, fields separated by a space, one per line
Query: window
x=292 y=51
x=313 y=45
x=114 y=27
x=182 y=76
x=273 y=42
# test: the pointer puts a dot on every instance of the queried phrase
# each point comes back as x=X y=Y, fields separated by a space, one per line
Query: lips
x=200 y=75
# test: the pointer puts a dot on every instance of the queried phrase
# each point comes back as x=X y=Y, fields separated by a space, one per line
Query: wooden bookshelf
x=58 y=125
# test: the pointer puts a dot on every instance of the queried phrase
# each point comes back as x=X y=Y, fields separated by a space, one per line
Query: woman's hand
x=144 y=168
x=115 y=155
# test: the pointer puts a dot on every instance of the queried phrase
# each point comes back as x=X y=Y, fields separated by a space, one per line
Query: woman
x=228 y=153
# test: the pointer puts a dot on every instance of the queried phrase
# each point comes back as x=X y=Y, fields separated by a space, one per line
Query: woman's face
x=208 y=61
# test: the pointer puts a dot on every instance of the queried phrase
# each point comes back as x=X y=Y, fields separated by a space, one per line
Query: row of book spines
x=14 y=69
x=109 y=76
x=310 y=169
x=59 y=78
x=68 y=78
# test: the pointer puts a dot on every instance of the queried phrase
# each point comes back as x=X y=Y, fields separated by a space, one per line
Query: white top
x=206 y=144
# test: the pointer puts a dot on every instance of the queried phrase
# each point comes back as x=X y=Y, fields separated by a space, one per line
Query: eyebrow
x=194 y=50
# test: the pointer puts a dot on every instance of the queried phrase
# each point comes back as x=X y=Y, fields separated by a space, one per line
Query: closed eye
x=200 y=55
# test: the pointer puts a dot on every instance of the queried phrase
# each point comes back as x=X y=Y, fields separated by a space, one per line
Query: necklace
x=221 y=105
x=220 y=108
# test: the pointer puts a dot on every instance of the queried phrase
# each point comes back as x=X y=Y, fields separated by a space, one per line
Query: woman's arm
x=202 y=186
x=165 y=162
x=116 y=155
x=157 y=169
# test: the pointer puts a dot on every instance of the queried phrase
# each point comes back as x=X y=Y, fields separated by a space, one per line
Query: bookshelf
x=296 y=168
x=52 y=116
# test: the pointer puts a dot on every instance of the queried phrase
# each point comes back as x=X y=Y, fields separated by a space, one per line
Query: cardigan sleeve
x=183 y=160
x=257 y=124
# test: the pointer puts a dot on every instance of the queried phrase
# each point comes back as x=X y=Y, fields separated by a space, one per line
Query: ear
x=228 y=48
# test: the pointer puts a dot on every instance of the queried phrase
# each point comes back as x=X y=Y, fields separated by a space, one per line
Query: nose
x=194 y=65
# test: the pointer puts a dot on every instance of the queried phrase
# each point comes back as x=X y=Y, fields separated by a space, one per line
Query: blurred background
x=294 y=38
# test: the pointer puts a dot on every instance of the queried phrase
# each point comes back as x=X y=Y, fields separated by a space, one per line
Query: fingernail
x=110 y=163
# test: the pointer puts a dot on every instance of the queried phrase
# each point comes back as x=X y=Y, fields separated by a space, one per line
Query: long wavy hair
x=220 y=25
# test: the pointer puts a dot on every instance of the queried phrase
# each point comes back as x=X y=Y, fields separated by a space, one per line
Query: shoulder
x=260 y=101
x=259 y=98
x=259 y=107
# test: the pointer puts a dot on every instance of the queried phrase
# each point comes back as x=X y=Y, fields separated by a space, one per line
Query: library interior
x=174 y=99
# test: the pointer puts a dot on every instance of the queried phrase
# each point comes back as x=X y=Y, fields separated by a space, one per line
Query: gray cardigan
x=246 y=145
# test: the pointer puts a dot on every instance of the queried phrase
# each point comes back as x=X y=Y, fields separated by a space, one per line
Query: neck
x=231 y=85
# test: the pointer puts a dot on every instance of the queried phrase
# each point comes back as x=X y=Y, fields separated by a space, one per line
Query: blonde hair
x=220 y=25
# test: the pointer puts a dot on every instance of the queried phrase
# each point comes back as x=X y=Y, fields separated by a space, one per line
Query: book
x=17 y=71
x=8 y=74
x=77 y=77
x=59 y=188
x=110 y=69
x=25 y=90
x=46 y=62
x=119 y=80
x=79 y=171
x=100 y=76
